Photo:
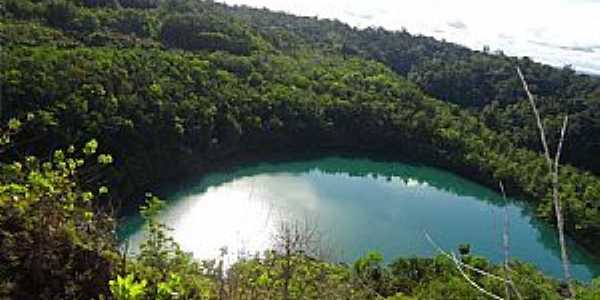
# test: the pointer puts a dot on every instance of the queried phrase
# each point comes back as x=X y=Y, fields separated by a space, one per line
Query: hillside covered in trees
x=164 y=88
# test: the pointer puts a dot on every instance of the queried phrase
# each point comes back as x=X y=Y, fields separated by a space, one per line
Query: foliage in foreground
x=57 y=243
x=54 y=240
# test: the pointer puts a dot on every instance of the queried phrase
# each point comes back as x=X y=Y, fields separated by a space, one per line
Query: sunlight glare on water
x=357 y=205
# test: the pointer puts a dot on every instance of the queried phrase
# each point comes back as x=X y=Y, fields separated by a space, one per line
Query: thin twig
x=466 y=266
x=563 y=132
x=366 y=286
x=473 y=283
x=508 y=282
x=505 y=243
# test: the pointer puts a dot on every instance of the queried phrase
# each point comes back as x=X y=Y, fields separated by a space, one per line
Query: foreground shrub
x=54 y=242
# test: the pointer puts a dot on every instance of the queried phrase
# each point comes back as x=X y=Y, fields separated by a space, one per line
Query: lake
x=356 y=205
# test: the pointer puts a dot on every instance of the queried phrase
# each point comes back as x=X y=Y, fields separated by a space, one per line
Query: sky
x=556 y=32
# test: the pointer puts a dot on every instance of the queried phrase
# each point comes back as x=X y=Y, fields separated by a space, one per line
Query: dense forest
x=480 y=81
x=114 y=96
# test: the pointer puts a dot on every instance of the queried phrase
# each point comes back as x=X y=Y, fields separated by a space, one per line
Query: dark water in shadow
x=357 y=205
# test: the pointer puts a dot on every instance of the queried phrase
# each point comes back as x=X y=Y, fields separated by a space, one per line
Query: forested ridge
x=482 y=81
x=167 y=87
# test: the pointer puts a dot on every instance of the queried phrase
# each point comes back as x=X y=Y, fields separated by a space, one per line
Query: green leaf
x=263 y=279
x=90 y=147
x=126 y=288
x=87 y=196
x=88 y=216
x=105 y=159
x=14 y=124
x=103 y=190
x=59 y=156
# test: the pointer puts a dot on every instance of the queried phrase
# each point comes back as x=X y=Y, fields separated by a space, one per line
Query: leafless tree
x=292 y=239
x=298 y=236
x=553 y=171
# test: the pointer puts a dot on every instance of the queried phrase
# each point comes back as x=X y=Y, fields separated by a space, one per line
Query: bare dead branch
x=553 y=170
x=294 y=238
x=472 y=282
x=538 y=119
x=563 y=132
x=466 y=266
x=367 y=287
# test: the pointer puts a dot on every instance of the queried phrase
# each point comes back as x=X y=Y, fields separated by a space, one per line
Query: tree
x=61 y=13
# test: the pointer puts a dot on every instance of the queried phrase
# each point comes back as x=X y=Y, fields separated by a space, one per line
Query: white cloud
x=559 y=28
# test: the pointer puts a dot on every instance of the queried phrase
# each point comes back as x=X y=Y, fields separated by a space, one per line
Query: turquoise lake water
x=356 y=205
